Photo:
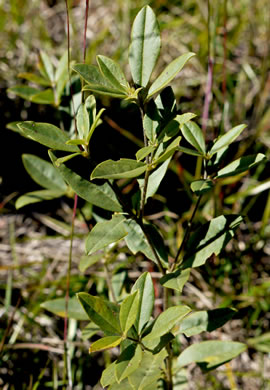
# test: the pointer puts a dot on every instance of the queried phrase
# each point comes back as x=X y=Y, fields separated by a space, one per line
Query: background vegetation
x=34 y=250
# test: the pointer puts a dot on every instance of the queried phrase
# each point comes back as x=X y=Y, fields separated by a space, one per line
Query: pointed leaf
x=210 y=239
x=211 y=353
x=176 y=280
x=143 y=152
x=124 y=385
x=122 y=169
x=166 y=321
x=105 y=343
x=47 y=65
x=98 y=195
x=103 y=313
x=105 y=233
x=227 y=138
x=87 y=261
x=58 y=306
x=43 y=173
x=128 y=362
x=96 y=82
x=128 y=311
x=192 y=152
x=145 y=46
x=37 y=196
x=156 y=177
x=147 y=299
x=61 y=75
x=240 y=165
x=149 y=370
x=200 y=187
x=113 y=73
x=168 y=152
x=48 y=135
x=193 y=134
x=169 y=73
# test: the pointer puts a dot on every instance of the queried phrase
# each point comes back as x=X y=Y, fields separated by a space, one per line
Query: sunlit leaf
x=43 y=173
x=103 y=313
x=128 y=311
x=211 y=353
x=105 y=343
x=105 y=233
x=240 y=165
x=24 y=91
x=43 y=97
x=194 y=135
x=83 y=124
x=87 y=261
x=34 y=78
x=48 y=135
x=169 y=73
x=113 y=73
x=146 y=300
x=121 y=169
x=37 y=196
x=145 y=46
x=98 y=195
x=47 y=65
x=58 y=306
x=176 y=280
x=227 y=138
x=200 y=187
x=128 y=362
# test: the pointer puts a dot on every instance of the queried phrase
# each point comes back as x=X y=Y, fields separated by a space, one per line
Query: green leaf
x=227 y=138
x=96 y=82
x=176 y=280
x=184 y=118
x=128 y=311
x=143 y=152
x=169 y=73
x=103 y=313
x=98 y=195
x=192 y=152
x=87 y=261
x=124 y=385
x=255 y=189
x=58 y=307
x=48 y=135
x=211 y=353
x=136 y=241
x=47 y=65
x=43 y=97
x=200 y=187
x=64 y=159
x=122 y=169
x=210 y=239
x=260 y=343
x=168 y=152
x=166 y=321
x=61 y=75
x=113 y=73
x=128 y=362
x=155 y=178
x=34 y=78
x=202 y=321
x=108 y=375
x=83 y=124
x=37 y=196
x=145 y=46
x=89 y=330
x=146 y=300
x=240 y=165
x=149 y=370
x=194 y=136
x=24 y=91
x=43 y=173
x=105 y=233
x=105 y=343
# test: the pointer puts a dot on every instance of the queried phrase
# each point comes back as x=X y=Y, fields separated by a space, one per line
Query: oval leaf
x=103 y=313
x=105 y=343
x=211 y=353
x=240 y=165
x=146 y=302
x=123 y=169
x=169 y=74
x=98 y=195
x=128 y=311
x=227 y=138
x=105 y=233
x=43 y=173
x=48 y=135
x=194 y=135
x=145 y=46
x=58 y=307
x=167 y=320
